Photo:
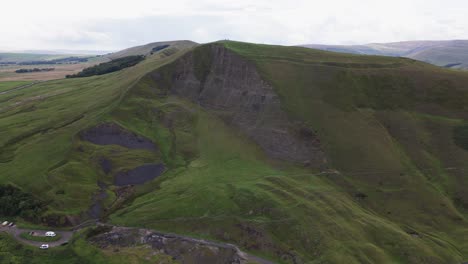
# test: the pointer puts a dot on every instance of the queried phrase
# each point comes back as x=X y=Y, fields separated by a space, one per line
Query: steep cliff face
x=223 y=82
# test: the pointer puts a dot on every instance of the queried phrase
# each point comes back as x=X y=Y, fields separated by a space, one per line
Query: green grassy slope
x=392 y=192
x=39 y=124
x=358 y=105
x=147 y=48
x=388 y=130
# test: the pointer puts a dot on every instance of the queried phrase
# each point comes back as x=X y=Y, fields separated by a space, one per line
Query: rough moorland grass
x=372 y=146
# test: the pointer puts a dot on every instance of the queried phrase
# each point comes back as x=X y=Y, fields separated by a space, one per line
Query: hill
x=450 y=54
x=148 y=48
x=293 y=154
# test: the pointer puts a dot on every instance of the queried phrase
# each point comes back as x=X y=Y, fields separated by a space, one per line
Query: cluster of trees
x=158 y=48
x=67 y=60
x=34 y=70
x=108 y=67
x=14 y=202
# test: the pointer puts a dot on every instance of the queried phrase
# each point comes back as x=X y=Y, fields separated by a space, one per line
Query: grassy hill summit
x=293 y=154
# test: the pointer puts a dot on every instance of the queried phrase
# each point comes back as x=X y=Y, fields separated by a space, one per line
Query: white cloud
x=115 y=24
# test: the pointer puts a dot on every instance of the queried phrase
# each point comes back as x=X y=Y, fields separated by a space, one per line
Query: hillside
x=148 y=48
x=450 y=54
x=293 y=154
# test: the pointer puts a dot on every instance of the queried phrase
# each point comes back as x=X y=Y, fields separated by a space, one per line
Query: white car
x=50 y=234
x=44 y=246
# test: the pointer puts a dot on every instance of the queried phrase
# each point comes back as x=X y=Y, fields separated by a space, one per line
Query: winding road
x=15 y=232
x=65 y=237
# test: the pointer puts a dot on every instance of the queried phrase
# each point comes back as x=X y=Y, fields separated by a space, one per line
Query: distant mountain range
x=59 y=52
x=449 y=53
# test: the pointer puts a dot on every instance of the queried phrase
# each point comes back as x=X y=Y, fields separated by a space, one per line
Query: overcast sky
x=117 y=24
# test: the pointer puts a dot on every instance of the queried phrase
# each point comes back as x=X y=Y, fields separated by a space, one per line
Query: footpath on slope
x=20 y=87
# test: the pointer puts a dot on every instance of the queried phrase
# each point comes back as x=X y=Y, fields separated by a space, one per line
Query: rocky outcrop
x=182 y=249
x=225 y=83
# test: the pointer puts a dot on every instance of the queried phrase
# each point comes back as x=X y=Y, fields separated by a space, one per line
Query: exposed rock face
x=232 y=87
x=112 y=134
x=182 y=249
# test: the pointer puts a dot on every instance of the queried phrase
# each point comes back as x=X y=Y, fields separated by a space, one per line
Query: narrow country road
x=65 y=236
x=15 y=232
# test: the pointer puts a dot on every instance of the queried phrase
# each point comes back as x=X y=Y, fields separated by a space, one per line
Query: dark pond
x=139 y=175
x=112 y=134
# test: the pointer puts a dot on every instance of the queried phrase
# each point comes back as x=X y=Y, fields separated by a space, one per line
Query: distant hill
x=23 y=57
x=449 y=54
x=152 y=47
x=59 y=52
x=68 y=52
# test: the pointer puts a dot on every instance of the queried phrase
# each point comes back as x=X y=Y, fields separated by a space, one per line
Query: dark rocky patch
x=112 y=134
x=222 y=81
x=360 y=196
x=139 y=175
x=95 y=211
x=182 y=249
x=450 y=65
x=106 y=165
x=413 y=233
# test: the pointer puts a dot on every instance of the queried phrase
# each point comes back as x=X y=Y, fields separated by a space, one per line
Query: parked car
x=44 y=246
x=50 y=234
x=11 y=224
x=5 y=223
